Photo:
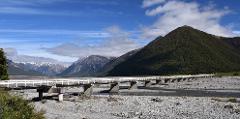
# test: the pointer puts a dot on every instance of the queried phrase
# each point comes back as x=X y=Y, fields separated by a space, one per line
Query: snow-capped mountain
x=21 y=64
x=19 y=69
x=36 y=69
x=88 y=66
x=45 y=69
x=38 y=61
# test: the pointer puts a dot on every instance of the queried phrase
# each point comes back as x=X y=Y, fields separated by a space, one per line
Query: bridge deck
x=87 y=80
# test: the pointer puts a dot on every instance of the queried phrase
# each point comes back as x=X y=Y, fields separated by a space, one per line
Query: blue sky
x=69 y=29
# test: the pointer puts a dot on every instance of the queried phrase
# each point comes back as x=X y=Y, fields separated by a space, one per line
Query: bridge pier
x=190 y=79
x=88 y=89
x=159 y=81
x=179 y=79
x=60 y=92
x=60 y=97
x=41 y=90
x=184 y=79
x=167 y=80
x=114 y=88
x=148 y=83
x=173 y=80
x=40 y=95
x=133 y=85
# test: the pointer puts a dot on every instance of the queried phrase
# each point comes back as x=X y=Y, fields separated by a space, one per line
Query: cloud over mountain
x=148 y=3
x=118 y=43
x=174 y=13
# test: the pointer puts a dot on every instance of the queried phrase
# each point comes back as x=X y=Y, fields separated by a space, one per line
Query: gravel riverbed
x=219 y=99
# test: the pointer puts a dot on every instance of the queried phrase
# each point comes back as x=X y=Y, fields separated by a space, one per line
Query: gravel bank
x=149 y=107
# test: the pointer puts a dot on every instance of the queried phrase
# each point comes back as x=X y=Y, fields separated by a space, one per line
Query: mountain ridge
x=89 y=66
x=180 y=52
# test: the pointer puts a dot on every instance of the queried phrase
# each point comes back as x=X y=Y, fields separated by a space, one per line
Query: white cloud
x=117 y=44
x=34 y=7
x=36 y=11
x=28 y=2
x=28 y=7
x=173 y=14
x=37 y=56
x=40 y=2
x=236 y=32
x=148 y=3
x=89 y=34
x=10 y=51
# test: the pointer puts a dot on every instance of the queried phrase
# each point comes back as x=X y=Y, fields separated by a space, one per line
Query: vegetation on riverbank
x=228 y=74
x=14 y=107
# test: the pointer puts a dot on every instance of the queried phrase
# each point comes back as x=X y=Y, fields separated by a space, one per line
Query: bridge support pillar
x=148 y=83
x=114 y=88
x=58 y=90
x=41 y=91
x=173 y=80
x=189 y=79
x=184 y=79
x=167 y=80
x=60 y=97
x=133 y=85
x=158 y=81
x=88 y=89
x=40 y=95
x=179 y=79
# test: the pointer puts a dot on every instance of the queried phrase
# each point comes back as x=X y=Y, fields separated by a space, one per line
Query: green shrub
x=236 y=74
x=13 y=107
x=233 y=100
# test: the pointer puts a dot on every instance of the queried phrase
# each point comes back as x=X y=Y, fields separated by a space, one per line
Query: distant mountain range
x=34 y=69
x=89 y=66
x=35 y=60
x=183 y=51
x=19 y=69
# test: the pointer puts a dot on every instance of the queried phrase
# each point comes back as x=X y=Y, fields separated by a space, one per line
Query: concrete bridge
x=56 y=85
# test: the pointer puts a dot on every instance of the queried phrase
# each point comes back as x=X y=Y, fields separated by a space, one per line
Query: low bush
x=14 y=107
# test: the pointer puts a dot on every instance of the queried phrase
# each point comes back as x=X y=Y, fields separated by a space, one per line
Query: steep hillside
x=88 y=66
x=183 y=51
x=235 y=42
x=109 y=66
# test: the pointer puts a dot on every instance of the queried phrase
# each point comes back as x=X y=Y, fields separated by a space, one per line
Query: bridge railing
x=89 y=80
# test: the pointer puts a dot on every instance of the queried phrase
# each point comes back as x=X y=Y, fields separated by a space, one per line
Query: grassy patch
x=13 y=107
x=228 y=74
x=233 y=100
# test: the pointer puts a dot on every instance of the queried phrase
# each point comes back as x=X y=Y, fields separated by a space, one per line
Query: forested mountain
x=185 y=50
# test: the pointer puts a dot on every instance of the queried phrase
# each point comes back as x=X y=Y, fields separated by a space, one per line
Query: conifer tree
x=3 y=66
